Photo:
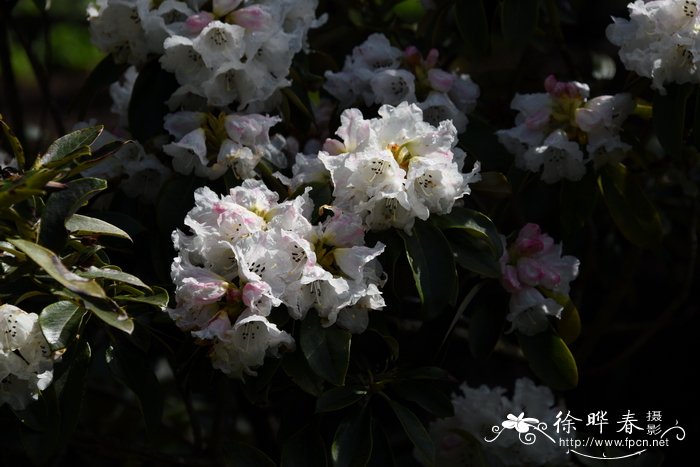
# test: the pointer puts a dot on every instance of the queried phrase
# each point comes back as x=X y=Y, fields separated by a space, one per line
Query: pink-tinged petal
x=412 y=56
x=530 y=271
x=196 y=23
x=510 y=279
x=440 y=80
x=432 y=58
x=253 y=18
x=333 y=147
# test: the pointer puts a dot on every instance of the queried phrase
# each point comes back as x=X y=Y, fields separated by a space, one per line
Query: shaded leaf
x=493 y=184
x=159 y=298
x=474 y=254
x=68 y=144
x=84 y=225
x=473 y=26
x=577 y=201
x=550 y=359
x=13 y=142
x=237 y=454
x=519 y=21
x=668 y=117
x=425 y=395
x=297 y=368
x=72 y=387
x=52 y=264
x=112 y=274
x=433 y=267
x=338 y=398
x=409 y=11
x=352 y=443
x=110 y=313
x=60 y=322
x=61 y=205
x=104 y=74
x=304 y=449
x=473 y=223
x=416 y=432
x=633 y=213
x=486 y=324
x=147 y=108
x=327 y=350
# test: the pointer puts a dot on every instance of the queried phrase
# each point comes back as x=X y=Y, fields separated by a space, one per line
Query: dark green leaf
x=409 y=11
x=52 y=264
x=104 y=74
x=577 y=202
x=486 y=324
x=159 y=298
x=110 y=313
x=474 y=254
x=352 y=444
x=237 y=454
x=382 y=454
x=629 y=207
x=43 y=4
x=60 y=322
x=473 y=26
x=416 y=432
x=112 y=274
x=338 y=398
x=327 y=350
x=68 y=144
x=426 y=372
x=84 y=225
x=473 y=223
x=147 y=108
x=433 y=267
x=14 y=144
x=297 y=368
x=426 y=395
x=550 y=359
x=72 y=387
x=493 y=184
x=519 y=21
x=61 y=205
x=132 y=368
x=669 y=117
x=305 y=449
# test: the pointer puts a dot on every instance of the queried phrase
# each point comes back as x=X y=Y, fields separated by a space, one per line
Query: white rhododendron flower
x=378 y=73
x=26 y=362
x=478 y=410
x=395 y=168
x=660 y=41
x=247 y=253
x=560 y=131
x=533 y=271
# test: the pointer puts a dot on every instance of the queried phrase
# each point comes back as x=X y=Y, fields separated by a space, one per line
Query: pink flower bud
x=432 y=58
x=253 y=17
x=510 y=279
x=196 y=23
x=440 y=80
x=412 y=56
x=529 y=271
x=334 y=147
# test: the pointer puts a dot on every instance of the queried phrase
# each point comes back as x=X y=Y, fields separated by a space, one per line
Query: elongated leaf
x=433 y=267
x=550 y=359
x=338 y=398
x=519 y=21
x=669 y=117
x=110 y=313
x=13 y=141
x=629 y=207
x=30 y=184
x=474 y=254
x=473 y=26
x=304 y=449
x=577 y=201
x=147 y=106
x=237 y=454
x=473 y=223
x=52 y=264
x=297 y=368
x=72 y=387
x=131 y=368
x=112 y=274
x=426 y=372
x=352 y=444
x=61 y=205
x=60 y=322
x=105 y=73
x=493 y=184
x=66 y=145
x=327 y=350
x=159 y=298
x=416 y=432
x=486 y=324
x=84 y=225
x=425 y=395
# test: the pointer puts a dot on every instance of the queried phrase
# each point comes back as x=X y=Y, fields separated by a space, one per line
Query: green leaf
x=668 y=117
x=352 y=443
x=83 y=225
x=131 y=367
x=112 y=274
x=61 y=205
x=297 y=368
x=52 y=264
x=13 y=142
x=304 y=449
x=433 y=267
x=472 y=223
x=237 y=454
x=410 y=11
x=101 y=77
x=633 y=213
x=44 y=5
x=68 y=144
x=577 y=201
x=327 y=350
x=550 y=359
x=493 y=184
x=426 y=372
x=30 y=184
x=474 y=254
x=110 y=313
x=425 y=395
x=147 y=108
x=338 y=398
x=159 y=298
x=60 y=322
x=473 y=26
x=71 y=387
x=486 y=324
x=416 y=432
x=519 y=21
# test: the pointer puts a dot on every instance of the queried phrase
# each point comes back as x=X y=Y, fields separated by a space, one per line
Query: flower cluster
x=461 y=439
x=210 y=145
x=26 y=363
x=396 y=168
x=553 y=130
x=249 y=253
x=379 y=73
x=660 y=41
x=234 y=51
x=534 y=272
